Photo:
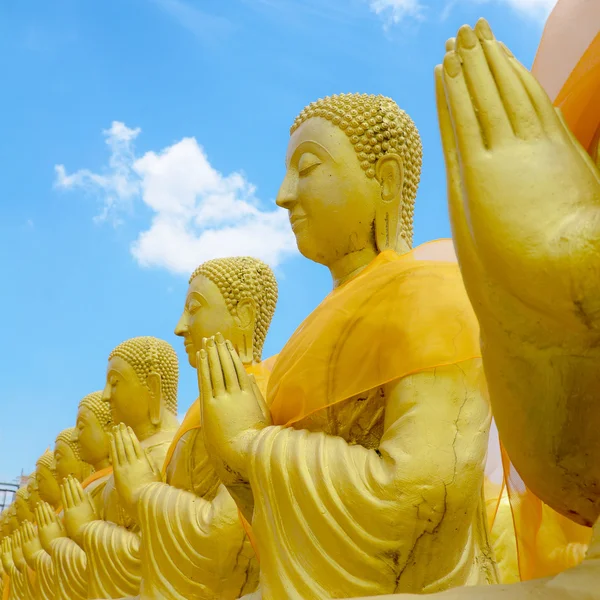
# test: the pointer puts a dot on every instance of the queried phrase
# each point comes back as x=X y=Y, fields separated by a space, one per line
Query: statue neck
x=146 y=430
x=351 y=265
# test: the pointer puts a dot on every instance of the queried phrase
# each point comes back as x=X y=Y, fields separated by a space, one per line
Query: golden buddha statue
x=23 y=511
x=91 y=436
x=141 y=388
x=193 y=544
x=367 y=475
x=47 y=484
x=33 y=494
x=67 y=457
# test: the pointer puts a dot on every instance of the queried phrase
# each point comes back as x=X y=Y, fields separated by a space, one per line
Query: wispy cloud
x=395 y=11
x=203 y=25
x=198 y=213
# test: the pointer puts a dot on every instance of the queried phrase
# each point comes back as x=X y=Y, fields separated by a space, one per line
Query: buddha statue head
x=93 y=424
x=353 y=166
x=141 y=385
x=33 y=491
x=22 y=507
x=232 y=296
x=67 y=457
x=12 y=521
x=47 y=483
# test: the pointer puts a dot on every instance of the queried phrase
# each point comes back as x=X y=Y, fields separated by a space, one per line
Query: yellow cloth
x=567 y=65
x=383 y=325
x=334 y=512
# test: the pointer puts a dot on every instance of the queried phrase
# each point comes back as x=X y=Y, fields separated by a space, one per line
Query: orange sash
x=6 y=586
x=96 y=475
x=401 y=315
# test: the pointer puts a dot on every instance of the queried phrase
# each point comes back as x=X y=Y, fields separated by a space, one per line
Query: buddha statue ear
x=389 y=172
x=246 y=320
x=154 y=383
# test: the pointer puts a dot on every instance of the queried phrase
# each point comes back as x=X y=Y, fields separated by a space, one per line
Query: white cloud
x=198 y=213
x=394 y=11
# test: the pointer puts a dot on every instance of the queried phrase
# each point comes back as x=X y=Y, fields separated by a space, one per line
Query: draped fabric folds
x=193 y=545
x=330 y=502
x=567 y=65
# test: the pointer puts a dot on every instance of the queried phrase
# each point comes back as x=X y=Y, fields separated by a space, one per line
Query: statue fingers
x=112 y=448
x=469 y=137
x=216 y=370
x=204 y=382
x=135 y=444
x=240 y=370
x=128 y=448
x=521 y=113
x=119 y=447
x=489 y=108
x=230 y=374
x=65 y=496
x=450 y=44
x=542 y=104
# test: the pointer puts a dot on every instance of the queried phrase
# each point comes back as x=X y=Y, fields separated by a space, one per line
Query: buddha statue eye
x=307 y=163
x=194 y=306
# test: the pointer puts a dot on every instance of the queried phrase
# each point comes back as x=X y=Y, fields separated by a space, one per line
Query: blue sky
x=124 y=125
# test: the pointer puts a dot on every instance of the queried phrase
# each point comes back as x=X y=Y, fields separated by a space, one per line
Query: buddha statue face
x=232 y=296
x=331 y=203
x=141 y=383
x=66 y=461
x=32 y=491
x=205 y=314
x=22 y=509
x=91 y=436
x=352 y=167
x=12 y=520
x=48 y=488
x=129 y=397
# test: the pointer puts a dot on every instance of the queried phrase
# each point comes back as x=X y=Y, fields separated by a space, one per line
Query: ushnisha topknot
x=376 y=125
x=150 y=354
x=100 y=409
x=244 y=277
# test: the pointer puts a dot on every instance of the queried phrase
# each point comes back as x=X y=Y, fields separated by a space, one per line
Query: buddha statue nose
x=287 y=195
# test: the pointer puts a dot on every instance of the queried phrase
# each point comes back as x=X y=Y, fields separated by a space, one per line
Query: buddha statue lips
x=354 y=483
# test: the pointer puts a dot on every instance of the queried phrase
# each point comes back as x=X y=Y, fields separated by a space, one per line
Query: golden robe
x=331 y=517
x=193 y=544
x=112 y=545
x=68 y=559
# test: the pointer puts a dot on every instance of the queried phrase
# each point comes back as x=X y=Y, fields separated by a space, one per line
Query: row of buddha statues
x=353 y=463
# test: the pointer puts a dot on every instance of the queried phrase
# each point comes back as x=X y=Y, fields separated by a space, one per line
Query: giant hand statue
x=524 y=210
x=193 y=545
x=141 y=389
x=367 y=475
x=470 y=101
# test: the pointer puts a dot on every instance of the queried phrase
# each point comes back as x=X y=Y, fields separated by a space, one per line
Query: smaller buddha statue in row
x=193 y=545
